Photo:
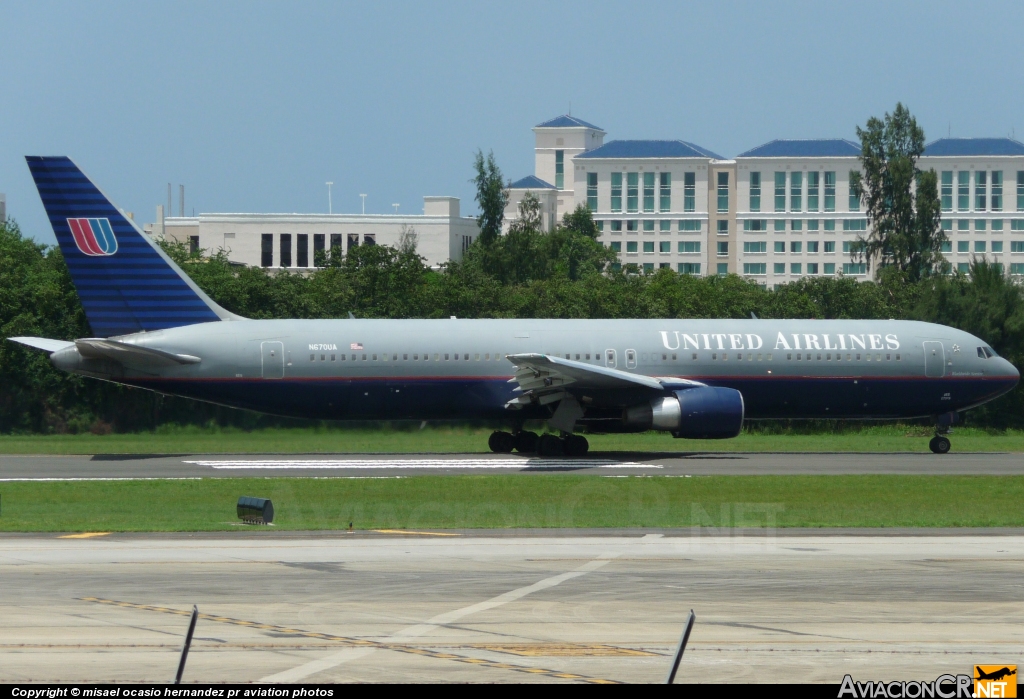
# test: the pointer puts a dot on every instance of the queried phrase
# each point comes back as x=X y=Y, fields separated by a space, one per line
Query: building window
x=559 y=169
x=963 y=267
x=723 y=248
x=855 y=268
x=963 y=190
x=592 y=191
x=665 y=193
x=691 y=267
x=600 y=225
x=648 y=267
x=648 y=226
x=689 y=225
x=796 y=191
x=665 y=246
x=755 y=191
x=723 y=192
x=755 y=268
x=631 y=226
x=286 y=250
x=855 y=224
x=689 y=191
x=997 y=190
x=1017 y=224
x=830 y=191
x=690 y=247
x=631 y=246
x=1020 y=190
x=723 y=227
x=1017 y=246
x=616 y=192
x=963 y=246
x=755 y=247
x=830 y=267
x=846 y=247
x=370 y=239
x=648 y=246
x=979 y=246
x=336 y=244
x=780 y=225
x=632 y=192
x=616 y=246
x=854 y=197
x=796 y=246
x=946 y=191
x=796 y=268
x=812 y=224
x=780 y=246
x=616 y=226
x=193 y=244
x=1017 y=268
x=830 y=224
x=755 y=225
x=796 y=224
x=779 y=268
x=648 y=192
x=979 y=224
x=352 y=241
x=997 y=224
x=980 y=190
x=812 y=191
x=812 y=246
x=267 y=250
x=665 y=226
x=962 y=224
x=302 y=250
x=319 y=243
x=780 y=191
x=997 y=246
x=947 y=246
x=830 y=246
x=812 y=267
x=723 y=269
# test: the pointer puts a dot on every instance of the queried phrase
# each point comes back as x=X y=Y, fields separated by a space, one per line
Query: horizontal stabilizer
x=42 y=343
x=131 y=355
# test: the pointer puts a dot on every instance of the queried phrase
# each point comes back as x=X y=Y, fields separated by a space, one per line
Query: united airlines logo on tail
x=93 y=236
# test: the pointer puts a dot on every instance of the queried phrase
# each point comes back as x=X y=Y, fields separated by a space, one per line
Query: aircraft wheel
x=549 y=445
x=526 y=442
x=575 y=445
x=939 y=445
x=501 y=442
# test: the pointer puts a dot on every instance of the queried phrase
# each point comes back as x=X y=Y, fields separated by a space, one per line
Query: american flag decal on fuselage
x=93 y=236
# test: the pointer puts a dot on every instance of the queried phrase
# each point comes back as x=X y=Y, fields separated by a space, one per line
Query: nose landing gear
x=939 y=444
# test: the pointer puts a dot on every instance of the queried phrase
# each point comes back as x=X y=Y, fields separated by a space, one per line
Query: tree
x=491 y=195
x=901 y=201
x=572 y=249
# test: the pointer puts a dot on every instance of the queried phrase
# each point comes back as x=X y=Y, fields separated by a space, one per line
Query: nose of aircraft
x=1011 y=372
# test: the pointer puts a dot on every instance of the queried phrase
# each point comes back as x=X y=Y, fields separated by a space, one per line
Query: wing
x=544 y=379
x=42 y=343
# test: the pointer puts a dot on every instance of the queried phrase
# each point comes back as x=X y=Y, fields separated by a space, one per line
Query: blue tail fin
x=127 y=284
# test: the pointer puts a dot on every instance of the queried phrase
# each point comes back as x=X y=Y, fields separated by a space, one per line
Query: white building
x=776 y=213
x=293 y=240
x=3 y=207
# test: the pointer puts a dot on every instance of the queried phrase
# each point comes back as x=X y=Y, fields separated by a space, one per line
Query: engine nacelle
x=701 y=412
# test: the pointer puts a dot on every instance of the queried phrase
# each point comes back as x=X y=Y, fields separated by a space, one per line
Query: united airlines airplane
x=698 y=379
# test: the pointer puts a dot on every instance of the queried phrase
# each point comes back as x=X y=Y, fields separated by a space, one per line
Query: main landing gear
x=545 y=445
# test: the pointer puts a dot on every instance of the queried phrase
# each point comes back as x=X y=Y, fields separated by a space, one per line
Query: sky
x=253 y=105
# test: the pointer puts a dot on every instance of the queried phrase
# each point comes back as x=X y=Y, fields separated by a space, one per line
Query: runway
x=518 y=608
x=606 y=464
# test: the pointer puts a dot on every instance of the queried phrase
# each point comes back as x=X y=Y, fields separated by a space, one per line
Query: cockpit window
x=986 y=352
x=981 y=353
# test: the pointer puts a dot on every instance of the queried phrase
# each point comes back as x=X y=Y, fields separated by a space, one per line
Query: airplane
x=156 y=329
x=995 y=675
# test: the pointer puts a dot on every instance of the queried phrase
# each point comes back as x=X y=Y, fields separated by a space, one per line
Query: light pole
x=364 y=203
x=396 y=208
x=330 y=209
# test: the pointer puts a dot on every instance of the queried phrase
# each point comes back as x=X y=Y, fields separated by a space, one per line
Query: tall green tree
x=572 y=249
x=901 y=200
x=491 y=196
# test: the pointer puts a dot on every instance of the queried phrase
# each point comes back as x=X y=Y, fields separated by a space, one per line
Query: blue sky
x=254 y=105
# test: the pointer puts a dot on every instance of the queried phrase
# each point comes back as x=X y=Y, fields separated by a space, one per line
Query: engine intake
x=701 y=412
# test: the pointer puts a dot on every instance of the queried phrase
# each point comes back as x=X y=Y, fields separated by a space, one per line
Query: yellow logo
x=995 y=681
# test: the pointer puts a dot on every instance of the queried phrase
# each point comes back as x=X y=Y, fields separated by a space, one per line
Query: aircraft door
x=609 y=358
x=934 y=359
x=630 y=359
x=273 y=360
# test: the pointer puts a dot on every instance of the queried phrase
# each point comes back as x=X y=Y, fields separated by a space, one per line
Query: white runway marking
x=313 y=667
x=420 y=463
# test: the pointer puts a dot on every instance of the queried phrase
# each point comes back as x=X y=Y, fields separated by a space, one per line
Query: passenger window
x=437 y=357
x=694 y=356
x=673 y=357
x=769 y=357
x=323 y=357
x=714 y=355
x=610 y=358
x=446 y=357
x=334 y=357
x=312 y=357
x=364 y=357
x=630 y=359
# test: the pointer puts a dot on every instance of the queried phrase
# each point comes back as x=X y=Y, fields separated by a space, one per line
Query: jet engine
x=701 y=412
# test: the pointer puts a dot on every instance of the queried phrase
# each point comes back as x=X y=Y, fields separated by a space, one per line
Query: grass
x=452 y=502
x=442 y=439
